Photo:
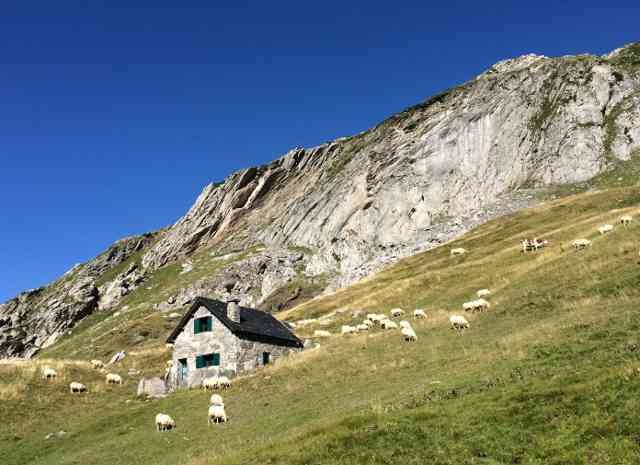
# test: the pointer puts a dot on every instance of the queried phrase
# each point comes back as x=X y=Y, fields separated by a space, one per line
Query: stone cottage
x=218 y=338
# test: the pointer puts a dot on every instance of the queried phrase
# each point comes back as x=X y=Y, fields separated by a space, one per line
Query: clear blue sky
x=113 y=117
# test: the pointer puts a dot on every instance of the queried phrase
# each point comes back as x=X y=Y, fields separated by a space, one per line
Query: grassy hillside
x=549 y=375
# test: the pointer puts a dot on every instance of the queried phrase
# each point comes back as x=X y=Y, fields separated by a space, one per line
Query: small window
x=266 y=358
x=201 y=325
x=208 y=360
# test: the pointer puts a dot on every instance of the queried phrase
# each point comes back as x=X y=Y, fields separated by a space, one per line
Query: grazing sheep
x=396 y=312
x=164 y=422
x=581 y=243
x=419 y=313
x=483 y=293
x=605 y=228
x=321 y=333
x=404 y=324
x=348 y=329
x=224 y=382
x=216 y=399
x=113 y=378
x=388 y=324
x=476 y=305
x=409 y=334
x=77 y=387
x=369 y=323
x=533 y=244
x=210 y=383
x=49 y=373
x=458 y=251
x=362 y=327
x=625 y=220
x=97 y=364
x=216 y=414
x=458 y=322
x=371 y=317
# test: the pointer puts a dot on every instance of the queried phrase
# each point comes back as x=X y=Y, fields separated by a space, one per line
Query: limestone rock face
x=429 y=173
x=37 y=318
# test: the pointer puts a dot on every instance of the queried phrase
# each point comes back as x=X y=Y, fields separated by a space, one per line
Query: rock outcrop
x=418 y=179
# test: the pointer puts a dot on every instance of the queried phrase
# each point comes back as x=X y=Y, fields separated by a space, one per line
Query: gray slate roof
x=254 y=324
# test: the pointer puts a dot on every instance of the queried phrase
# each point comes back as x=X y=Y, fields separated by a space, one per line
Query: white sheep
x=224 y=382
x=169 y=363
x=216 y=414
x=371 y=317
x=348 y=329
x=321 y=333
x=388 y=324
x=478 y=304
x=211 y=382
x=362 y=327
x=605 y=228
x=625 y=220
x=419 y=313
x=113 y=378
x=164 y=422
x=77 y=387
x=396 y=312
x=409 y=334
x=216 y=399
x=49 y=373
x=369 y=323
x=458 y=251
x=404 y=324
x=483 y=293
x=97 y=364
x=581 y=243
x=458 y=322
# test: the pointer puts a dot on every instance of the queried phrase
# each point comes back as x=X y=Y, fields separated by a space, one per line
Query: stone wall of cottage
x=250 y=354
x=189 y=345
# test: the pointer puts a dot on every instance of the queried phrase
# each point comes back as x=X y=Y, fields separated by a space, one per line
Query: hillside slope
x=321 y=218
x=550 y=374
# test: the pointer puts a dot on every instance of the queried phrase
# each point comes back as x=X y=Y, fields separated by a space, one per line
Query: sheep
x=210 y=383
x=49 y=373
x=113 y=378
x=483 y=293
x=458 y=251
x=369 y=323
x=169 y=363
x=216 y=414
x=388 y=324
x=216 y=399
x=348 y=329
x=605 y=228
x=321 y=333
x=396 y=312
x=77 y=387
x=362 y=327
x=404 y=324
x=224 y=382
x=409 y=335
x=458 y=322
x=533 y=244
x=478 y=304
x=581 y=243
x=625 y=220
x=97 y=364
x=371 y=317
x=164 y=422
x=419 y=313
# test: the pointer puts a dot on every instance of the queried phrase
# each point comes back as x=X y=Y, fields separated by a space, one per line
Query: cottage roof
x=254 y=324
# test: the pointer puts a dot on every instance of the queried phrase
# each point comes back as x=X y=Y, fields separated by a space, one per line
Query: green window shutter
x=208 y=323
x=196 y=326
x=199 y=361
x=216 y=360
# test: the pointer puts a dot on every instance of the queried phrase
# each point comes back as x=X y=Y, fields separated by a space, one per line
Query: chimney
x=233 y=310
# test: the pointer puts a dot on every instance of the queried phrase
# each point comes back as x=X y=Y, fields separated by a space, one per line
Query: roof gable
x=254 y=324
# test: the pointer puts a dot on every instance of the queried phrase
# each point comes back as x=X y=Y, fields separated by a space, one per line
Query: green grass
x=549 y=375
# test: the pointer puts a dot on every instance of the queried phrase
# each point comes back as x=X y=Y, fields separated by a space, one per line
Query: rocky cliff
x=416 y=180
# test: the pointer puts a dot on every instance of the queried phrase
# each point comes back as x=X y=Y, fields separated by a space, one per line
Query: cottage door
x=184 y=371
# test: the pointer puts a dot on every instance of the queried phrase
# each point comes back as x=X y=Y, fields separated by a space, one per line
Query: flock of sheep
x=216 y=412
x=604 y=229
x=75 y=387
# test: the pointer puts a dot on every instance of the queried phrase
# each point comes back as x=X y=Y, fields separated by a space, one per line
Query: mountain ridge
x=350 y=206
